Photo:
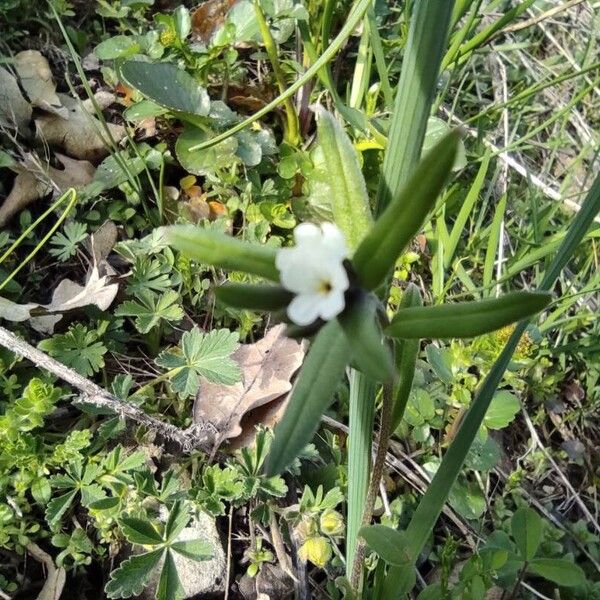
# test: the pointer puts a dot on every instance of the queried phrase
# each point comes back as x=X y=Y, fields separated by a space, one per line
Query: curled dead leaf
x=267 y=370
x=15 y=111
x=208 y=17
x=81 y=135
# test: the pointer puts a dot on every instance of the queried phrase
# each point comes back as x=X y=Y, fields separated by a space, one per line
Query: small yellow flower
x=305 y=529
x=317 y=550
x=167 y=37
x=331 y=522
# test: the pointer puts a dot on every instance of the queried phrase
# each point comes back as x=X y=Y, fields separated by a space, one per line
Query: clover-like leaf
x=151 y=310
x=201 y=354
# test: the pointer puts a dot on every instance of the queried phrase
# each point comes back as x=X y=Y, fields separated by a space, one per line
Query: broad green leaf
x=169 y=585
x=206 y=161
x=254 y=297
x=406 y=358
x=179 y=517
x=558 y=570
x=466 y=319
x=133 y=575
x=117 y=46
x=337 y=180
x=193 y=549
x=502 y=410
x=313 y=392
x=223 y=251
x=168 y=85
x=152 y=309
x=41 y=490
x=143 y=109
x=182 y=21
x=436 y=129
x=404 y=215
x=201 y=354
x=140 y=531
x=370 y=351
x=391 y=545
x=527 y=528
x=58 y=506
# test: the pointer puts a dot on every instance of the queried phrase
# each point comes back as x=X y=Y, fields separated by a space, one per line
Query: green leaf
x=169 y=585
x=41 y=490
x=466 y=319
x=206 y=161
x=370 y=351
x=407 y=352
x=337 y=180
x=436 y=129
x=58 y=506
x=558 y=570
x=527 y=528
x=179 y=517
x=117 y=46
x=140 y=531
x=391 y=545
x=182 y=21
x=405 y=214
x=254 y=297
x=502 y=410
x=167 y=85
x=133 y=575
x=313 y=392
x=193 y=549
x=223 y=251
x=205 y=355
x=152 y=309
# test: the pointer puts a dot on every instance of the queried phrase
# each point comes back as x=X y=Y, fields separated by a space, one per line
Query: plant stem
x=292 y=132
x=383 y=438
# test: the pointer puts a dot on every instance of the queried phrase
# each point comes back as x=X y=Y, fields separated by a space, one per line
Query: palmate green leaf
x=391 y=545
x=152 y=309
x=133 y=575
x=254 y=297
x=140 y=531
x=371 y=355
x=558 y=570
x=201 y=354
x=466 y=319
x=58 y=506
x=337 y=180
x=167 y=85
x=313 y=392
x=223 y=251
x=193 y=549
x=404 y=215
x=179 y=517
x=527 y=528
x=169 y=585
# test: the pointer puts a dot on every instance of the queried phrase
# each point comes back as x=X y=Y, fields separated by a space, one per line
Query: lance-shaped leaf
x=466 y=319
x=337 y=180
x=404 y=216
x=406 y=358
x=370 y=351
x=320 y=375
x=223 y=251
x=254 y=297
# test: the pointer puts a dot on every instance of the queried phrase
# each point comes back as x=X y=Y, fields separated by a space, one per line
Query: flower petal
x=331 y=305
x=307 y=233
x=304 y=309
x=333 y=241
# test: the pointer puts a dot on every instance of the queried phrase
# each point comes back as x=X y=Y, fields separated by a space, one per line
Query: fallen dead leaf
x=36 y=79
x=208 y=17
x=67 y=296
x=79 y=135
x=34 y=181
x=267 y=369
x=15 y=111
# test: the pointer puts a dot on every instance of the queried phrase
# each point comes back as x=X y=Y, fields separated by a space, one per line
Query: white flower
x=313 y=270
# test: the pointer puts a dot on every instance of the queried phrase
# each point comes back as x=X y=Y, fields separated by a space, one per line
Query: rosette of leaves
x=361 y=335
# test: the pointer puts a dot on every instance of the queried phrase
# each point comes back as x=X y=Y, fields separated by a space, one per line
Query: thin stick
x=189 y=439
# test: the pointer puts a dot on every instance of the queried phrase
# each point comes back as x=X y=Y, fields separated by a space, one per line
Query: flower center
x=324 y=286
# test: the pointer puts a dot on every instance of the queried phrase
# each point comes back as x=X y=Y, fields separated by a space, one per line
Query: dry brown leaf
x=15 y=111
x=33 y=183
x=208 y=17
x=267 y=369
x=67 y=296
x=36 y=79
x=79 y=135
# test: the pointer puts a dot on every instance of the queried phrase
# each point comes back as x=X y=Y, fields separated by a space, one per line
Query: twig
x=90 y=393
